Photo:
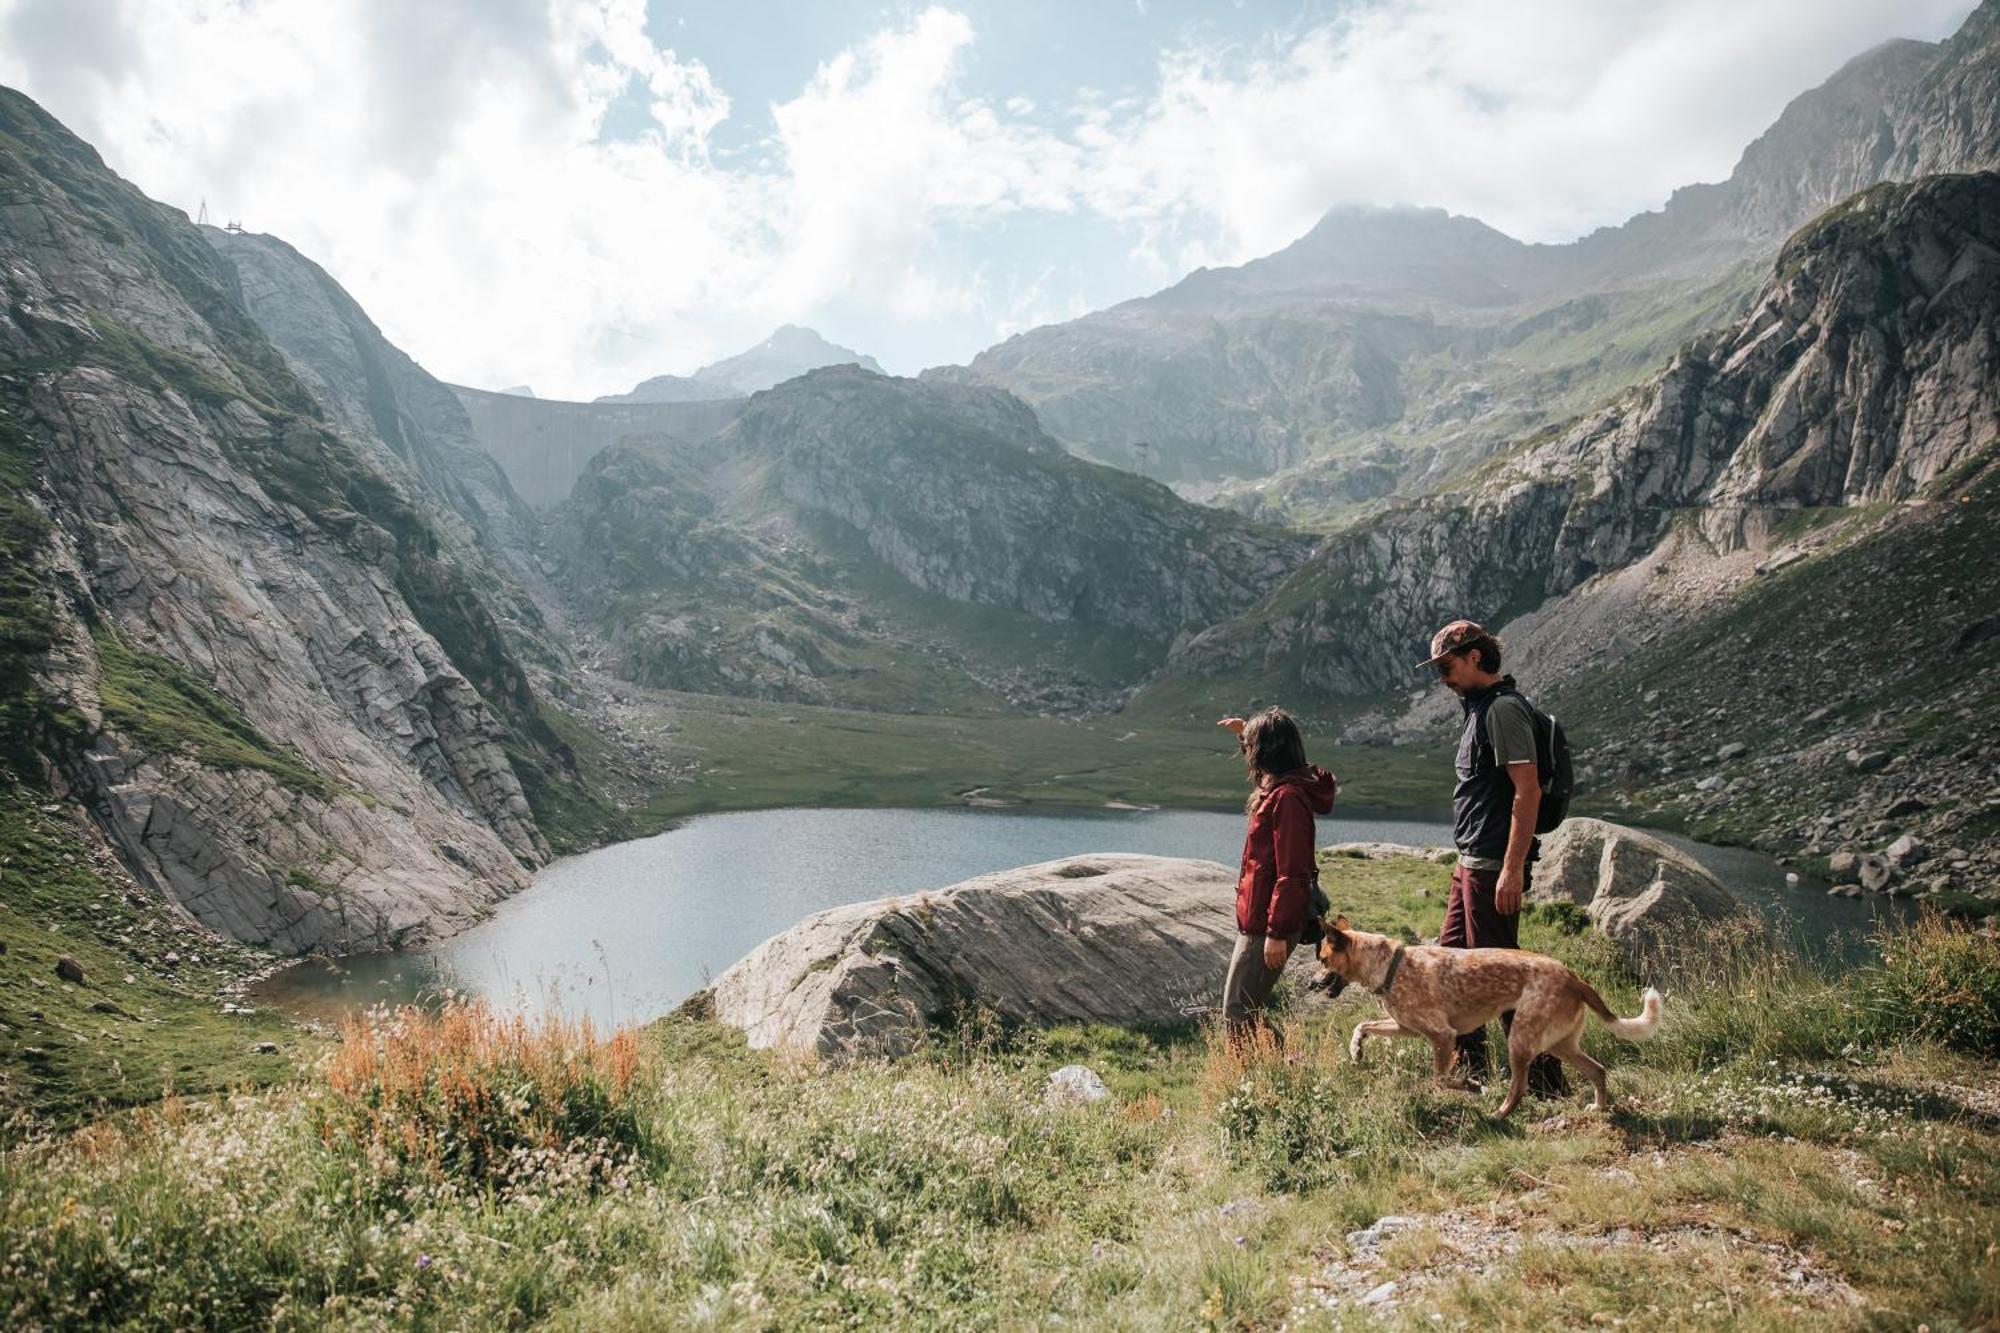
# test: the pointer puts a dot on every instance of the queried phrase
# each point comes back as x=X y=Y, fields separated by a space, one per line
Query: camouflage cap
x=1453 y=637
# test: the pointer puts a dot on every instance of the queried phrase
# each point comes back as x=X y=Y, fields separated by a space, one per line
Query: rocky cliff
x=1865 y=372
x=238 y=642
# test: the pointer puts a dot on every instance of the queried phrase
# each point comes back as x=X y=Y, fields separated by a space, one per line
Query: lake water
x=626 y=932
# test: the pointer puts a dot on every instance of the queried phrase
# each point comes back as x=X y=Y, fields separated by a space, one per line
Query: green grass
x=707 y=1185
x=754 y=755
x=137 y=1026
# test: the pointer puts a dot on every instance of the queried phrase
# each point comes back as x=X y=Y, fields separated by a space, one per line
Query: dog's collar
x=1395 y=962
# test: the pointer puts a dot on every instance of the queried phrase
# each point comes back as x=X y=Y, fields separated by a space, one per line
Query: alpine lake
x=624 y=933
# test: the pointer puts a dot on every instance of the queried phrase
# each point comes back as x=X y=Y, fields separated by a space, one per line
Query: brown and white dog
x=1437 y=993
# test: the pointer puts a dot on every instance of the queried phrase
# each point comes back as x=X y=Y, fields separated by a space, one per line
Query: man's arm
x=1527 y=779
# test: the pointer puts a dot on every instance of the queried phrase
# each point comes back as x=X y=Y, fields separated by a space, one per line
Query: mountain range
x=323 y=650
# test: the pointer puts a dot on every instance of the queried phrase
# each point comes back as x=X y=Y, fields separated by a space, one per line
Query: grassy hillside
x=1826 y=1155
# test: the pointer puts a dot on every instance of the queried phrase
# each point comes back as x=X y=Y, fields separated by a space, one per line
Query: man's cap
x=1453 y=637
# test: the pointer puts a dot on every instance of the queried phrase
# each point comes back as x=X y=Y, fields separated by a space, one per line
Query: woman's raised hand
x=1235 y=724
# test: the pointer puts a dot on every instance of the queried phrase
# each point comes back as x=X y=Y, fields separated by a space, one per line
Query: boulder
x=1843 y=867
x=70 y=970
x=1107 y=938
x=1874 y=872
x=1640 y=890
x=1906 y=851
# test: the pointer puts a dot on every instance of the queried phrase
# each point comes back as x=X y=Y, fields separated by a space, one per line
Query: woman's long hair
x=1271 y=746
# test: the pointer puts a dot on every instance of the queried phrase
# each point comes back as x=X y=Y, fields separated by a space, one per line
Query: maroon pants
x=1471 y=921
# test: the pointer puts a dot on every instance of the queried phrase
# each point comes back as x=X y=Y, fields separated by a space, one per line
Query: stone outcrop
x=1644 y=893
x=1106 y=938
x=246 y=682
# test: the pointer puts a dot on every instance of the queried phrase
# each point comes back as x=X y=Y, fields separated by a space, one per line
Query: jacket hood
x=1314 y=781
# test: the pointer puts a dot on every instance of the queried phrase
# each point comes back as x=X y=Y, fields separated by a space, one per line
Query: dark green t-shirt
x=1510 y=730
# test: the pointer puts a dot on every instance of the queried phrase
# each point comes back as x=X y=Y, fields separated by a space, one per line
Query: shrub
x=465 y=1096
x=1938 y=981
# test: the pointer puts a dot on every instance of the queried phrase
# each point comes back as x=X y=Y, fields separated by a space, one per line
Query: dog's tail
x=1629 y=1029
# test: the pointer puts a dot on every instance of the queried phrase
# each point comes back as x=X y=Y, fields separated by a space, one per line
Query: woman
x=1274 y=886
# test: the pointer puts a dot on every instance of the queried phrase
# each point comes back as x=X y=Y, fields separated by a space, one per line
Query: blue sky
x=577 y=194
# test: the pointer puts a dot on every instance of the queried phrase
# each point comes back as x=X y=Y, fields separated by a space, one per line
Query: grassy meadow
x=739 y=754
x=1794 y=1147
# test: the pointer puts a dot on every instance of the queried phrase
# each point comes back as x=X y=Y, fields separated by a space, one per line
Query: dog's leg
x=1570 y=1051
x=1521 y=1052
x=1444 y=1052
x=1374 y=1027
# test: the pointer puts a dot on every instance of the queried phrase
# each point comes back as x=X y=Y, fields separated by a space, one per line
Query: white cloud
x=528 y=189
x=1544 y=118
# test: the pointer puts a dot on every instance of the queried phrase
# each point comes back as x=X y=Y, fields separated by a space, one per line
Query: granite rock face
x=1643 y=892
x=1107 y=938
x=209 y=517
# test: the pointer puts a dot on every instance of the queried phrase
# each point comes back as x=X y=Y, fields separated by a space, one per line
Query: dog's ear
x=1340 y=923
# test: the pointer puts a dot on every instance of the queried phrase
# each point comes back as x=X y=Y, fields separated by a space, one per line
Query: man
x=1494 y=805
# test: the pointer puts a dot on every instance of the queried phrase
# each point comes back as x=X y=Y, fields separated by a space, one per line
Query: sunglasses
x=1443 y=665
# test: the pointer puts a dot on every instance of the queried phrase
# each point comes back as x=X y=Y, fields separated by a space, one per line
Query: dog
x=1437 y=993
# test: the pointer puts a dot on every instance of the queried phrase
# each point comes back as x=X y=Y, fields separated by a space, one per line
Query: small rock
x=1868 y=761
x=1381 y=1228
x=1709 y=783
x=1074 y=1085
x=1731 y=751
x=1377 y=1295
x=1903 y=807
x=172 y=960
x=1791 y=879
x=70 y=970
x=265 y=1048
x=1843 y=867
x=1906 y=851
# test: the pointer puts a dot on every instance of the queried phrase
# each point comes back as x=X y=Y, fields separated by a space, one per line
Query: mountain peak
x=789 y=352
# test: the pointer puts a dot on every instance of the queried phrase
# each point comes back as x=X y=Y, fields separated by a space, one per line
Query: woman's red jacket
x=1273 y=889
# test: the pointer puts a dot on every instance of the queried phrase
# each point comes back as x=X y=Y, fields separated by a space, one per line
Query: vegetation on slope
x=1876 y=644
x=1812 y=1155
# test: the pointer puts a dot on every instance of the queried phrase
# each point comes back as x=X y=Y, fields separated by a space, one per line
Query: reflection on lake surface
x=626 y=932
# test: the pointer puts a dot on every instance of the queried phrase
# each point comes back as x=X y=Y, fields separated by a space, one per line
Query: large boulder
x=1105 y=938
x=1642 y=891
